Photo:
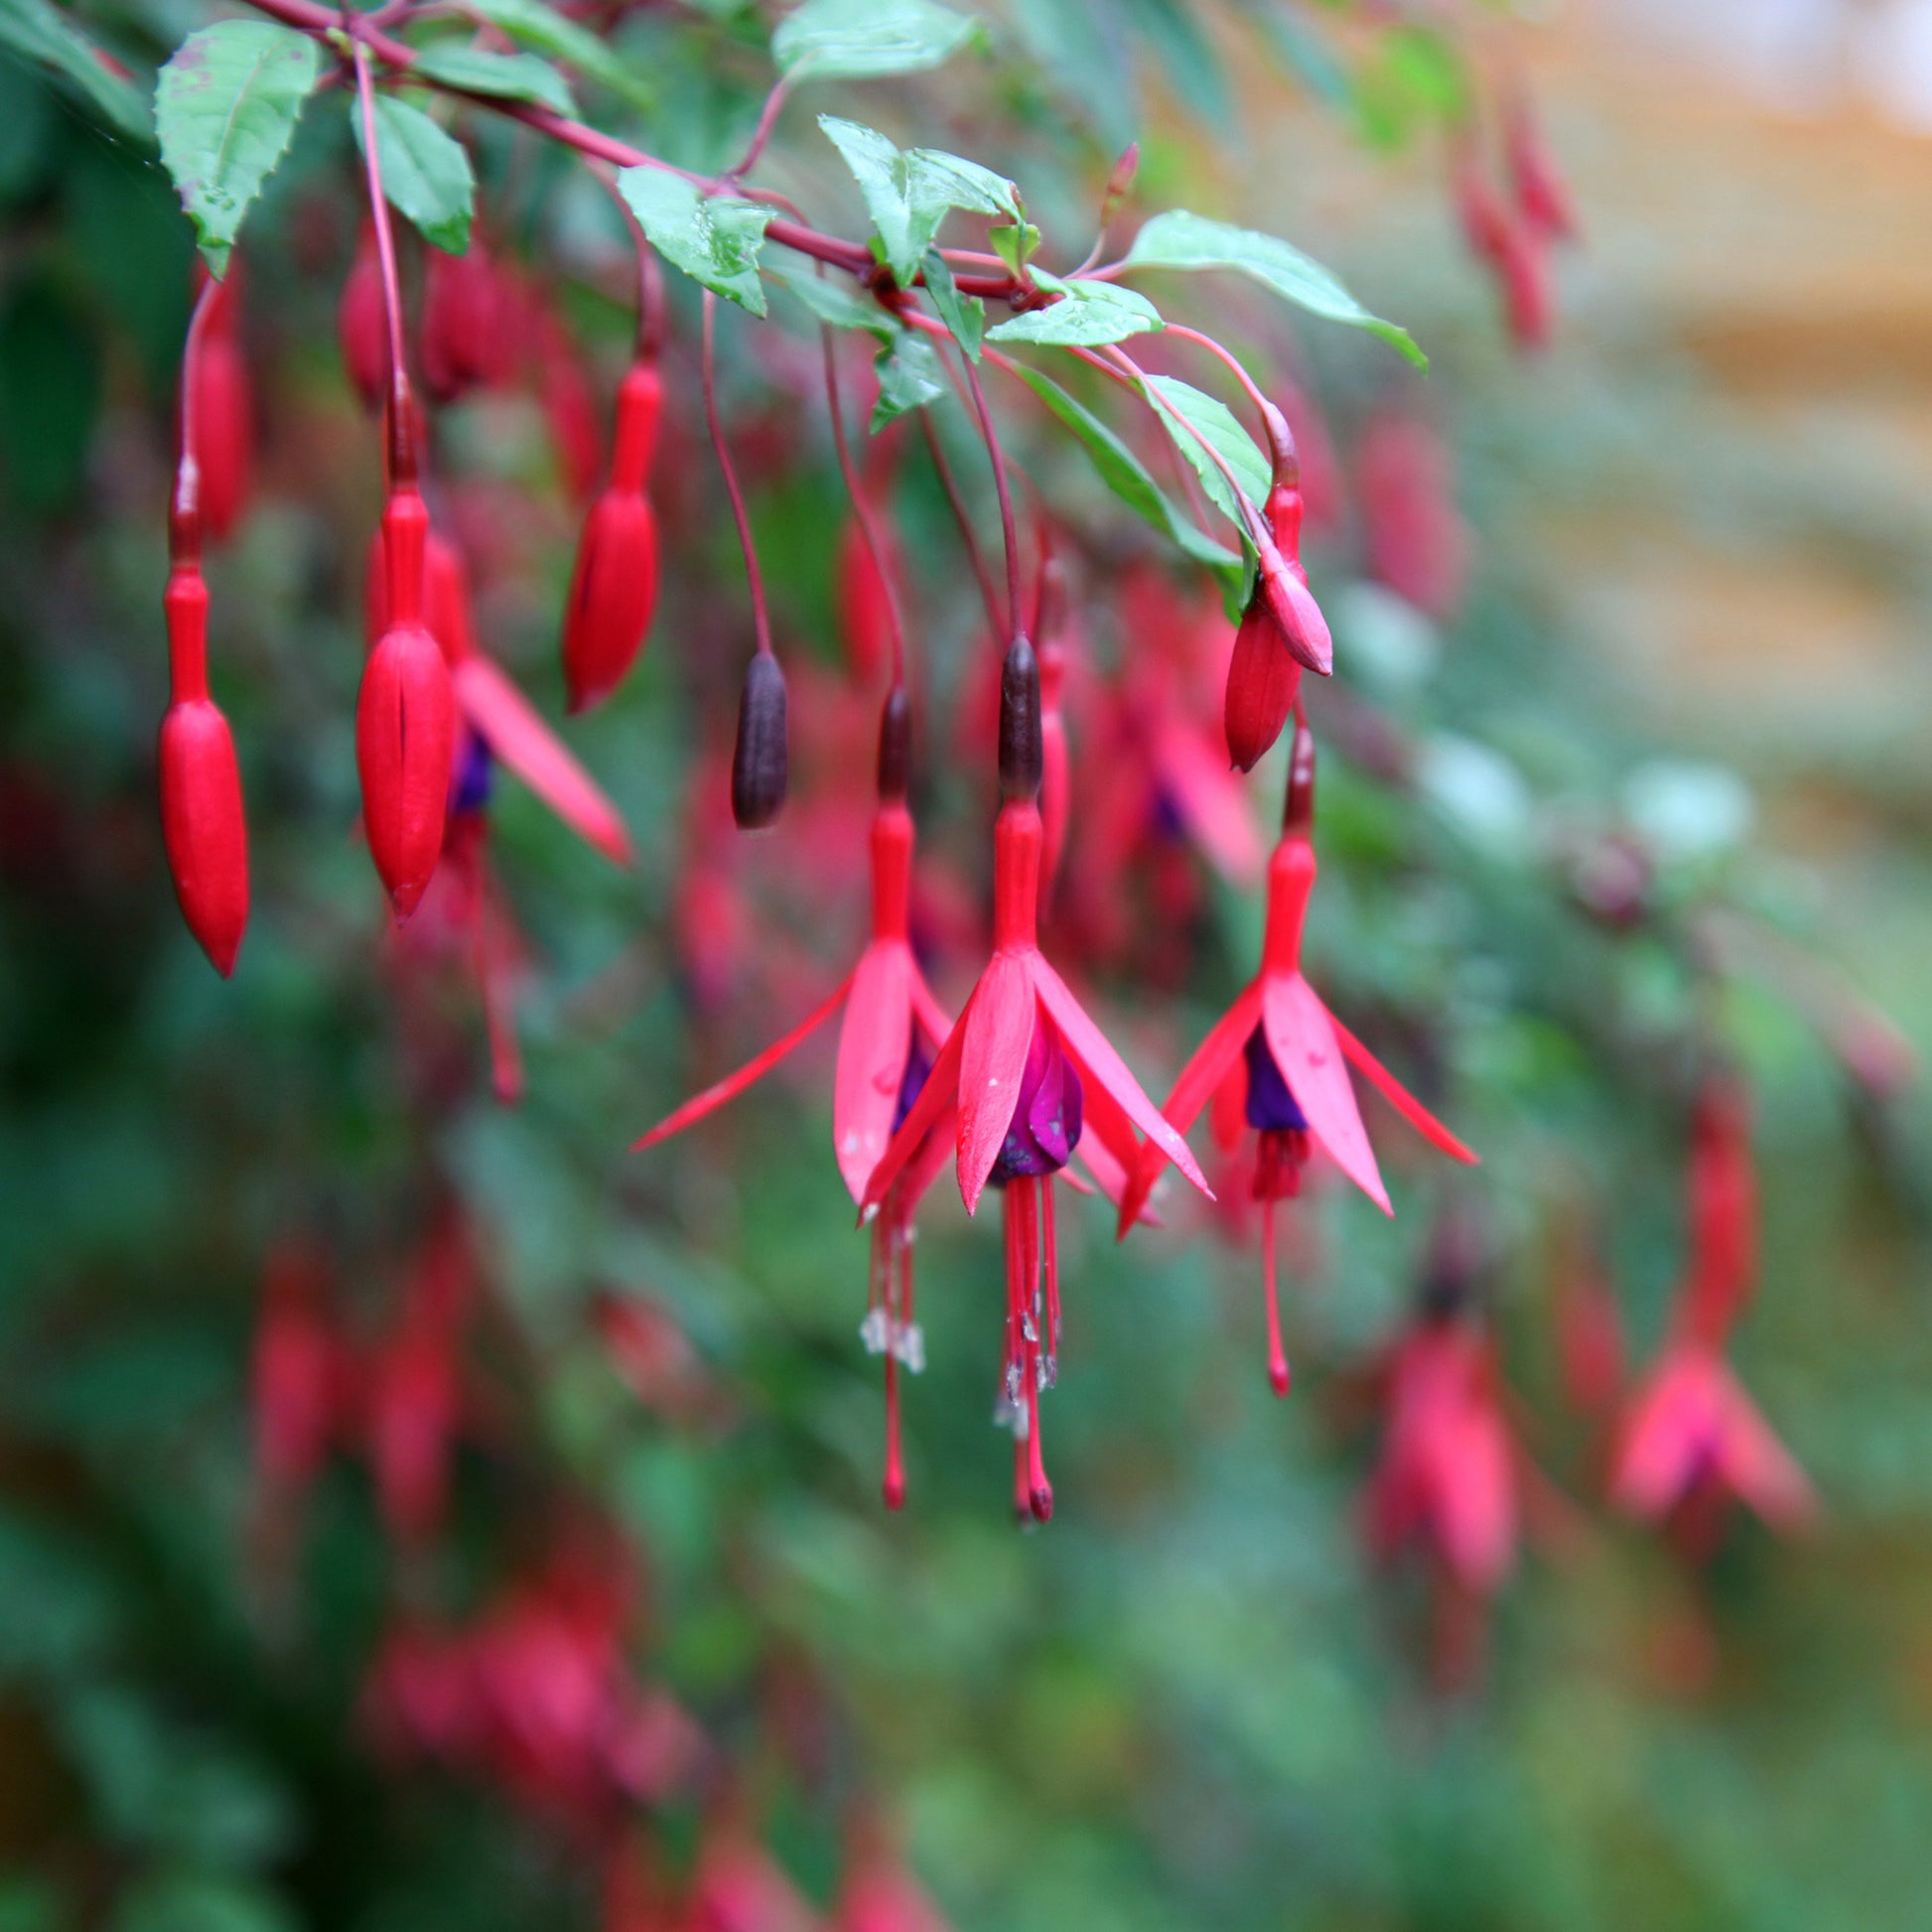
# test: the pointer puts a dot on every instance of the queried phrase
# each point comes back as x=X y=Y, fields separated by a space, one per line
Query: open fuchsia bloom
x=1693 y=1438
x=891 y=1030
x=1028 y=1072
x=1278 y=1061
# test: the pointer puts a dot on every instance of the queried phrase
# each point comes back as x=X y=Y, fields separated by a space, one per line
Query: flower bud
x=614 y=587
x=463 y=313
x=405 y=722
x=759 y=759
x=1304 y=629
x=1263 y=680
x=894 y=746
x=205 y=828
x=221 y=414
x=1540 y=192
x=1021 y=751
x=363 y=326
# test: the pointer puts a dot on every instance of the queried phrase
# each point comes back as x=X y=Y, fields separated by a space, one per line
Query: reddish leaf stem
x=760 y=620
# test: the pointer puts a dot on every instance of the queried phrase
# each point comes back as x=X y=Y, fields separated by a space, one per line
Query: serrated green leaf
x=42 y=35
x=1088 y=313
x=1125 y=475
x=835 y=303
x=909 y=377
x=226 y=108
x=964 y=315
x=1192 y=241
x=909 y=193
x=542 y=29
x=1179 y=406
x=714 y=240
x=850 y=40
x=426 y=173
x=503 y=77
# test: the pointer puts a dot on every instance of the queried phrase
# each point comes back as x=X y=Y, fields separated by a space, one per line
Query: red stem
x=950 y=485
x=385 y=241
x=1008 y=534
x=868 y=530
x=761 y=622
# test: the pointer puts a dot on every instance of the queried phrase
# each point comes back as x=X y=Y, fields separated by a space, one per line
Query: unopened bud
x=1263 y=680
x=1297 y=811
x=1022 y=758
x=894 y=746
x=759 y=763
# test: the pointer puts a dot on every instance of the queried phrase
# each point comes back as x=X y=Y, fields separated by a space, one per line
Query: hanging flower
x=221 y=405
x=1278 y=1061
x=1693 y=1438
x=1027 y=1070
x=361 y=323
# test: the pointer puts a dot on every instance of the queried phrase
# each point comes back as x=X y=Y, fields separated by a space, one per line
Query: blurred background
x=417 y=1511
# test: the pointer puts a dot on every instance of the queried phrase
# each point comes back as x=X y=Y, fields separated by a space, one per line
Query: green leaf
x=425 y=172
x=850 y=40
x=834 y=302
x=964 y=315
x=542 y=29
x=1183 y=240
x=909 y=193
x=1305 y=53
x=1177 y=405
x=716 y=241
x=41 y=33
x=1124 y=473
x=226 y=108
x=1014 y=243
x=1085 y=313
x=503 y=77
x=909 y=377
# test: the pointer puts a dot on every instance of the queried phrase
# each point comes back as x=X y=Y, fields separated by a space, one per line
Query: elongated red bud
x=1540 y=191
x=894 y=746
x=361 y=323
x=614 y=587
x=1120 y=182
x=1021 y=757
x=221 y=416
x=760 y=761
x=1298 y=617
x=405 y=721
x=1263 y=681
x=203 y=826
x=463 y=338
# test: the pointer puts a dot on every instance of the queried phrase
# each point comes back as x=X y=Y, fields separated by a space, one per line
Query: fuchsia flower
x=362 y=325
x=1447 y=1481
x=296 y=1390
x=464 y=341
x=739 y=1887
x=1693 y=1438
x=891 y=1028
x=1414 y=535
x=220 y=407
x=879 y=1894
x=1028 y=1071
x=1278 y=1061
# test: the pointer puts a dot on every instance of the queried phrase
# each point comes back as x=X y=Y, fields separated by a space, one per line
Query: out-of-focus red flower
x=220 y=406
x=465 y=343
x=737 y=1887
x=1415 y=538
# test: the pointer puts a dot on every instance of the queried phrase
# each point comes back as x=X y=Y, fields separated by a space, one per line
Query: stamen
x=1277 y=1357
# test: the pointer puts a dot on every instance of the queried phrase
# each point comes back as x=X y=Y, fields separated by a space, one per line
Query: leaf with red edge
x=733 y=1084
x=1302 y=1039
x=506 y=720
x=939 y=1093
x=1099 y=1063
x=1399 y=1097
x=998 y=1030
x=873 y=1045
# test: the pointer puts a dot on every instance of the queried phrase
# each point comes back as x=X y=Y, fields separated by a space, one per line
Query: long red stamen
x=894 y=1487
x=1024 y=1190
x=1050 y=1250
x=1277 y=1357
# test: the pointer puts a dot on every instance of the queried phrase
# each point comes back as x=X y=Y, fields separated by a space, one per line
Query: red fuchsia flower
x=218 y=405
x=892 y=1026
x=563 y=389
x=1515 y=251
x=296 y=1384
x=1589 y=1335
x=654 y=1357
x=1415 y=538
x=419 y=1699
x=1692 y=1437
x=361 y=323
x=1540 y=192
x=405 y=713
x=614 y=587
x=878 y=1894
x=1029 y=1072
x=737 y=1887
x=1278 y=1061
x=202 y=823
x=1283 y=630
x=1447 y=1481
x=464 y=339
x=413 y=1392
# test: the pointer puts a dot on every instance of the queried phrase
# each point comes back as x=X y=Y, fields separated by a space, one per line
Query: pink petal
x=509 y=724
x=926 y=1166
x=925 y=1009
x=1399 y=1097
x=940 y=1091
x=1760 y=1468
x=1210 y=1062
x=1227 y=1118
x=1302 y=1038
x=1104 y=1067
x=873 y=1045
x=1669 y=1421
x=1477 y=1500
x=1212 y=801
x=998 y=1030
x=733 y=1084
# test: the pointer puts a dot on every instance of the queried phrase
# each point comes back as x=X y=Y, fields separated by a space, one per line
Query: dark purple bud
x=894 y=746
x=759 y=759
x=1297 y=809
x=1023 y=757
